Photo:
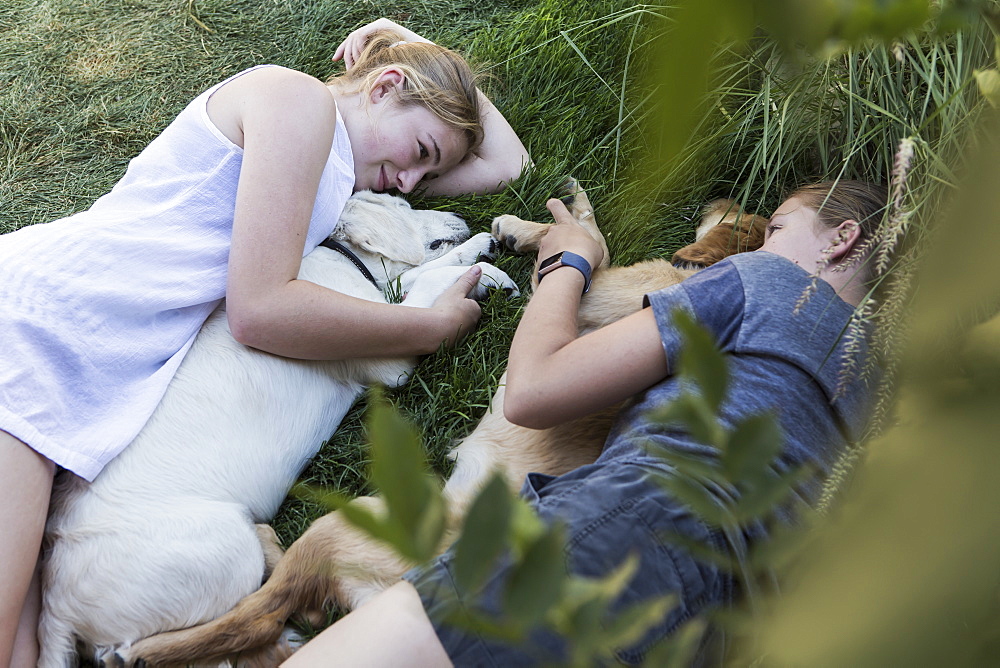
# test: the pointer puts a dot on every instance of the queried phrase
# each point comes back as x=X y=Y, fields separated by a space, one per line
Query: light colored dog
x=335 y=563
x=165 y=537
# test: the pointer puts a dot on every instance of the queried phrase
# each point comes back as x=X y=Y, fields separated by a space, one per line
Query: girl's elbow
x=245 y=328
x=524 y=413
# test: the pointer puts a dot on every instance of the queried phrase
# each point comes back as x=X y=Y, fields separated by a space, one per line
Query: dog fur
x=165 y=537
x=335 y=563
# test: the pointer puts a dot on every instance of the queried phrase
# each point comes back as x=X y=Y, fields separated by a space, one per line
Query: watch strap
x=567 y=259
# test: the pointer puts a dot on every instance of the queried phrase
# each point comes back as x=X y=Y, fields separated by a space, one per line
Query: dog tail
x=256 y=621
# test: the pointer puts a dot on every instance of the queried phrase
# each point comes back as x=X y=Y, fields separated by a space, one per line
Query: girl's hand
x=459 y=314
x=355 y=42
x=567 y=235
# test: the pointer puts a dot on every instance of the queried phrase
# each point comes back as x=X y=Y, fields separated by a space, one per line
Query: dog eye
x=436 y=244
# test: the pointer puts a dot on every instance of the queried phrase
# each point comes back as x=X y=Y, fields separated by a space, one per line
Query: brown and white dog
x=335 y=563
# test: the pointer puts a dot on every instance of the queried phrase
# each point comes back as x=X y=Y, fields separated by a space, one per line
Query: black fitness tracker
x=566 y=259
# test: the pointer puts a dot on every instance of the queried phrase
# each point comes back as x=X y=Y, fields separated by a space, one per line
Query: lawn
x=85 y=85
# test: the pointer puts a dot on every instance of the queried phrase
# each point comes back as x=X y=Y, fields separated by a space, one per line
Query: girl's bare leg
x=392 y=629
x=26 y=485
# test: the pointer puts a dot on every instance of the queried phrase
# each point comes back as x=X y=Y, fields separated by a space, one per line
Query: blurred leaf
x=825 y=25
x=953 y=286
x=398 y=462
x=759 y=501
x=584 y=605
x=784 y=543
x=526 y=527
x=688 y=465
x=415 y=513
x=989 y=85
x=751 y=447
x=703 y=552
x=629 y=626
x=702 y=502
x=692 y=413
x=377 y=527
x=684 y=57
x=329 y=499
x=680 y=649
x=485 y=533
x=701 y=360
x=536 y=582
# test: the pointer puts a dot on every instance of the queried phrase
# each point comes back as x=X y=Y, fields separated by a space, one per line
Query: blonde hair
x=860 y=201
x=434 y=77
x=837 y=201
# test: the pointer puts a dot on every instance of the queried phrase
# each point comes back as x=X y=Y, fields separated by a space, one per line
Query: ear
x=374 y=225
x=845 y=237
x=389 y=81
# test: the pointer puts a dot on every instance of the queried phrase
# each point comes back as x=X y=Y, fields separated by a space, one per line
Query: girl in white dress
x=100 y=307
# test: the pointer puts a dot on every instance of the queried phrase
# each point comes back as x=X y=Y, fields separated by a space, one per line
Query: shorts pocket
x=641 y=527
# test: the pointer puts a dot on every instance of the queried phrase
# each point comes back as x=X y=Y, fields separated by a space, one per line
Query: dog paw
x=431 y=284
x=494 y=278
x=482 y=246
x=567 y=190
x=521 y=236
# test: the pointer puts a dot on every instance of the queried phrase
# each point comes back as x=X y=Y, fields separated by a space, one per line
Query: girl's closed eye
x=424 y=153
x=772 y=227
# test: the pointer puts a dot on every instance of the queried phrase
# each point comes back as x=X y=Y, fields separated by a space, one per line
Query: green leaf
x=429 y=529
x=536 y=582
x=758 y=502
x=702 y=551
x=630 y=625
x=484 y=534
x=329 y=499
x=689 y=465
x=376 y=527
x=701 y=360
x=702 y=502
x=692 y=413
x=751 y=447
x=415 y=512
x=989 y=85
x=398 y=463
x=679 y=649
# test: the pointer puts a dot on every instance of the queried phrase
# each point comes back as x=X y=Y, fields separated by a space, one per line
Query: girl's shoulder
x=278 y=82
x=270 y=92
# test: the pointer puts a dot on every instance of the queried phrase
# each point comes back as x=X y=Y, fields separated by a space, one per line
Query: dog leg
x=271 y=546
x=524 y=236
x=430 y=284
x=479 y=247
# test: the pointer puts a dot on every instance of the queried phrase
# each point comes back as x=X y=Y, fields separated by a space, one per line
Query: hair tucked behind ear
x=837 y=201
x=435 y=77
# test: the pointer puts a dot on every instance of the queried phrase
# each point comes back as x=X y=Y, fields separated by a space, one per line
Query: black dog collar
x=346 y=252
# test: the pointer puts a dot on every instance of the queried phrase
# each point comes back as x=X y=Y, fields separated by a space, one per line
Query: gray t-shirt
x=780 y=361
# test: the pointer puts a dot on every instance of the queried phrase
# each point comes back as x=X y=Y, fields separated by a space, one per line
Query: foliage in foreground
x=501 y=530
x=85 y=86
x=905 y=573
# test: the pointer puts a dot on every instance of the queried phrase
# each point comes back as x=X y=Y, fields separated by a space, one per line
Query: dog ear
x=724 y=239
x=380 y=225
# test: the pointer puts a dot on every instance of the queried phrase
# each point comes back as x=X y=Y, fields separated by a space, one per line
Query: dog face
x=385 y=226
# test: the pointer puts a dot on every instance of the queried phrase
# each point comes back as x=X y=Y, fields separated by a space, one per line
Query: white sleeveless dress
x=98 y=309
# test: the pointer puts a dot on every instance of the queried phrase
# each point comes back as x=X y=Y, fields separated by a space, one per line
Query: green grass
x=84 y=86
